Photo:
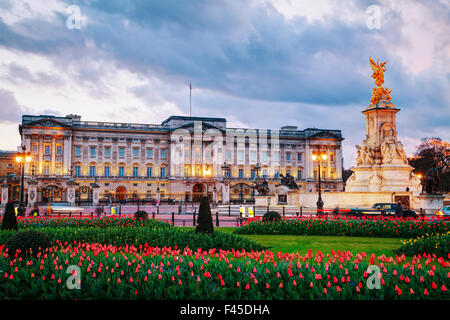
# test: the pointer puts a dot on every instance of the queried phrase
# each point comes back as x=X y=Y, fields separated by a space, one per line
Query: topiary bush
x=271 y=216
x=9 y=218
x=141 y=215
x=25 y=241
x=205 y=222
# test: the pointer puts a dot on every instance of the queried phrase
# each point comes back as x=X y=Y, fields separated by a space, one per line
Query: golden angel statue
x=378 y=71
x=379 y=92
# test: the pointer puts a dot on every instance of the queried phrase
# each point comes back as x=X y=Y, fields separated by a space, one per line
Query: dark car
x=384 y=209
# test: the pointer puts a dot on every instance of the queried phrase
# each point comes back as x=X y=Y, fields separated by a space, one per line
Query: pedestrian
x=399 y=210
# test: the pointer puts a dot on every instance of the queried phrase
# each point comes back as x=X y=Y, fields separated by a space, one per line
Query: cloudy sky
x=258 y=63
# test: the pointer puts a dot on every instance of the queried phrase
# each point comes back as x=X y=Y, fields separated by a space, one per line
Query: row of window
x=121 y=171
x=47 y=149
x=107 y=153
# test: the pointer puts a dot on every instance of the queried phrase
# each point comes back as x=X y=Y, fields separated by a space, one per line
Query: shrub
x=205 y=223
x=26 y=240
x=141 y=215
x=9 y=218
x=271 y=216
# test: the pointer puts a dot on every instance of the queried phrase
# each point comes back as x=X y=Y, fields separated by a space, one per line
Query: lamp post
x=22 y=158
x=225 y=169
x=158 y=198
x=319 y=157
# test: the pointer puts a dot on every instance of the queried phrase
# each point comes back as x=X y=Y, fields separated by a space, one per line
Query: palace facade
x=90 y=162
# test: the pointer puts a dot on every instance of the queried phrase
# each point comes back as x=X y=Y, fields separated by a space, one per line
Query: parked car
x=384 y=209
x=443 y=212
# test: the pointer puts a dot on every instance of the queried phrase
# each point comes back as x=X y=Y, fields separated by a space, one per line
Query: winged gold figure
x=378 y=71
x=379 y=92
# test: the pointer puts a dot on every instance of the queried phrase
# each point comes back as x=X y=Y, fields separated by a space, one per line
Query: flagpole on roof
x=190 y=100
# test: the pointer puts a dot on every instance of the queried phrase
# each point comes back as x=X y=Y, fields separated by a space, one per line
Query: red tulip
x=443 y=288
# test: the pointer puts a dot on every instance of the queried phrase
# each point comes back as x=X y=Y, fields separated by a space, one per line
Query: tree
x=205 y=222
x=433 y=153
x=9 y=218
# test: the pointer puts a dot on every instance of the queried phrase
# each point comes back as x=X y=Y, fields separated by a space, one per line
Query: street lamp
x=22 y=158
x=319 y=157
x=225 y=169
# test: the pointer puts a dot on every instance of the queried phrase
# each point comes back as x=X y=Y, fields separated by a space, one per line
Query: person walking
x=399 y=210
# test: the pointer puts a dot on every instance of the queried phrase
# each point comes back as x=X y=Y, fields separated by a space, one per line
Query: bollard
x=193 y=218
x=92 y=214
x=70 y=214
x=301 y=211
x=173 y=218
x=59 y=214
x=184 y=223
x=153 y=214
x=229 y=210
x=217 y=218
x=283 y=212
x=297 y=214
x=80 y=214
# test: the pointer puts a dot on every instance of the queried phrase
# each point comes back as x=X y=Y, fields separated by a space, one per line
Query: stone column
x=71 y=192
x=53 y=151
x=32 y=193
x=4 y=193
x=225 y=193
x=95 y=193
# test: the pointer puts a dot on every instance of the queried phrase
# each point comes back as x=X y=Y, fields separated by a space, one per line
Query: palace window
x=77 y=171
x=121 y=171
x=276 y=156
x=47 y=150
x=93 y=151
x=46 y=170
x=299 y=157
x=35 y=148
x=288 y=156
x=276 y=174
x=288 y=172
x=77 y=151
x=135 y=152
x=163 y=153
x=252 y=173
x=265 y=173
x=59 y=150
x=331 y=157
x=241 y=155
x=149 y=172
x=241 y=173
x=253 y=156
x=107 y=171
x=107 y=152
x=121 y=152
x=92 y=171
x=135 y=171
x=163 y=172
x=299 y=174
x=149 y=153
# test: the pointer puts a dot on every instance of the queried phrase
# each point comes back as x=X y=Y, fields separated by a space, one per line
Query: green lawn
x=292 y=243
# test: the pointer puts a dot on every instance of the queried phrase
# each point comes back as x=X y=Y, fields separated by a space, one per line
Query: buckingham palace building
x=183 y=158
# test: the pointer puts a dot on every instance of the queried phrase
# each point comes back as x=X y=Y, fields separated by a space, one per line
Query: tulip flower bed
x=106 y=222
x=143 y=272
x=436 y=243
x=388 y=227
x=128 y=231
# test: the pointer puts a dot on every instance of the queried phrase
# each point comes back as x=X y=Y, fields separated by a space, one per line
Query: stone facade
x=181 y=158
